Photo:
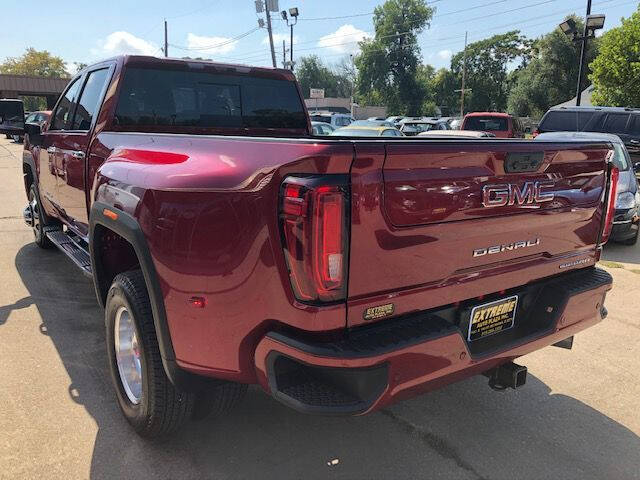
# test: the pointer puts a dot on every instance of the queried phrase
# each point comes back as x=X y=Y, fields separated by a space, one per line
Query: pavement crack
x=439 y=445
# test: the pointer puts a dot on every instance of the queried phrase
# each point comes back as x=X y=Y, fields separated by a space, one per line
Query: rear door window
x=616 y=123
x=157 y=97
x=90 y=99
x=64 y=112
x=634 y=125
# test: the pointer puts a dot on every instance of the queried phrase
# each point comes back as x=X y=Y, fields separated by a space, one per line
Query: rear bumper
x=377 y=365
x=625 y=225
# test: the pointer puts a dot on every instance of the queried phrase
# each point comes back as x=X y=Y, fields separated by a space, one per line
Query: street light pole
x=583 y=54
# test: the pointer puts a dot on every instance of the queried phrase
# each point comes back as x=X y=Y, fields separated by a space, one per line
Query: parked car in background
x=627 y=204
x=336 y=120
x=367 y=131
x=321 y=128
x=455 y=123
x=374 y=119
x=11 y=117
x=39 y=118
x=372 y=123
x=414 y=127
x=502 y=125
x=456 y=134
x=623 y=122
x=395 y=119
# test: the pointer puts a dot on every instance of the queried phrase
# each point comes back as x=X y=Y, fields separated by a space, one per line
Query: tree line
x=505 y=72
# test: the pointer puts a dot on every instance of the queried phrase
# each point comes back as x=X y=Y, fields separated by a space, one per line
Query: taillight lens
x=611 y=205
x=314 y=217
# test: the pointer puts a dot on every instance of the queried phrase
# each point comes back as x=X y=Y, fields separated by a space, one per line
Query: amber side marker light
x=110 y=214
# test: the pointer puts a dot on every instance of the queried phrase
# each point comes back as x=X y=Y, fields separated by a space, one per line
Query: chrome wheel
x=128 y=355
x=35 y=217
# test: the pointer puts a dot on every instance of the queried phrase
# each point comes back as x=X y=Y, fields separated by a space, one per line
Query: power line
x=217 y=45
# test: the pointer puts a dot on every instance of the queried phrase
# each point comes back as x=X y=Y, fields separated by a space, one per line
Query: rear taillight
x=611 y=205
x=314 y=216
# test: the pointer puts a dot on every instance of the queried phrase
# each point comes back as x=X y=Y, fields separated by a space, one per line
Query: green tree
x=443 y=85
x=487 y=61
x=388 y=63
x=550 y=76
x=313 y=73
x=616 y=70
x=34 y=62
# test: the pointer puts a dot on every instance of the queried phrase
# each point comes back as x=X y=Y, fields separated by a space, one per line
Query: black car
x=623 y=122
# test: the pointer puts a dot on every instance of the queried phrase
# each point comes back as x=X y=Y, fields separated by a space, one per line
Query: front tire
x=40 y=238
x=148 y=400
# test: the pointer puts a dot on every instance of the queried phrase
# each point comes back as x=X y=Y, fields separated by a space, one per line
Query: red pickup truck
x=228 y=246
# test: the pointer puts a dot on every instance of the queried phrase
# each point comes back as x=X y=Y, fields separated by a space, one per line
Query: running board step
x=75 y=252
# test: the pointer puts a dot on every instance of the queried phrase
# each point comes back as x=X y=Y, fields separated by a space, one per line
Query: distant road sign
x=316 y=93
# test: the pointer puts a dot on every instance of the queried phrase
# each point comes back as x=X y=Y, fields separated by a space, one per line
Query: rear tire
x=148 y=400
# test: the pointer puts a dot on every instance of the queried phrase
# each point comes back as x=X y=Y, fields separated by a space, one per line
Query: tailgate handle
x=523 y=162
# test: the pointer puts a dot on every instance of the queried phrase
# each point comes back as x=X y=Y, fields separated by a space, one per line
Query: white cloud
x=278 y=38
x=344 y=40
x=210 y=45
x=121 y=42
x=445 y=54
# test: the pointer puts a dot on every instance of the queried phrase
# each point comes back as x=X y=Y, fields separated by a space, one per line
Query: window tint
x=64 y=112
x=616 y=123
x=486 y=124
x=90 y=99
x=320 y=118
x=634 y=125
x=388 y=133
x=31 y=118
x=558 y=121
x=202 y=99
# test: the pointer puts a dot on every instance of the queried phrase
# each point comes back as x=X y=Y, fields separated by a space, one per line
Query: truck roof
x=179 y=63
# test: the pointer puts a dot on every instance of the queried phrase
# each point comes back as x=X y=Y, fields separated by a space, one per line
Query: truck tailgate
x=434 y=223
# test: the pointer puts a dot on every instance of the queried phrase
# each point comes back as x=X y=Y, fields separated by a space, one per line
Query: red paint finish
x=208 y=206
x=435 y=363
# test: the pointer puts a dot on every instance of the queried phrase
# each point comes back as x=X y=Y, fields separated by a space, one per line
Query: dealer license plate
x=493 y=317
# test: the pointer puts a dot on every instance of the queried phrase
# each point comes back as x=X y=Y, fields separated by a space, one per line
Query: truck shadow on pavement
x=462 y=431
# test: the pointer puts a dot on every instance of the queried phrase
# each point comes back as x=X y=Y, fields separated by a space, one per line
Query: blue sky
x=81 y=31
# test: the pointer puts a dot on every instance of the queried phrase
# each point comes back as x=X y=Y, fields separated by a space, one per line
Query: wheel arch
x=103 y=219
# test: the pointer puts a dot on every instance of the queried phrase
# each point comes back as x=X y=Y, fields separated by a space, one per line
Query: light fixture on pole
x=291 y=19
x=569 y=28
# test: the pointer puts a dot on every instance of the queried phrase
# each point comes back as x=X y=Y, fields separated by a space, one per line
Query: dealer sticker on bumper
x=491 y=318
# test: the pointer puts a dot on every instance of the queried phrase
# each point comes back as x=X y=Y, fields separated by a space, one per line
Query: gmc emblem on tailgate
x=510 y=194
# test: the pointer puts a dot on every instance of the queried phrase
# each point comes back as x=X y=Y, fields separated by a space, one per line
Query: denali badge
x=510 y=194
x=479 y=252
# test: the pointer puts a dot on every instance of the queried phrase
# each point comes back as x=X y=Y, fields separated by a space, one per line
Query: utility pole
x=284 y=55
x=166 y=40
x=583 y=54
x=273 y=52
x=464 y=74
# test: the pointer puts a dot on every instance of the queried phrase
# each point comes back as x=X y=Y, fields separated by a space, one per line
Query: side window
x=90 y=99
x=634 y=125
x=31 y=118
x=388 y=133
x=64 y=112
x=616 y=123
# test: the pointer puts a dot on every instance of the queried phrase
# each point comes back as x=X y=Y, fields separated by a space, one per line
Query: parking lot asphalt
x=578 y=416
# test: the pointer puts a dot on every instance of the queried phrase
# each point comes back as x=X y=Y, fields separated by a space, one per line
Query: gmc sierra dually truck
x=228 y=246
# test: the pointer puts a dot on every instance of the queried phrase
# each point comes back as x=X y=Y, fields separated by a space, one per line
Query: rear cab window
x=487 y=124
x=187 y=98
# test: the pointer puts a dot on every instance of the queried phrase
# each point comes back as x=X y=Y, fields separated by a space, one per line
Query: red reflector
x=198 y=302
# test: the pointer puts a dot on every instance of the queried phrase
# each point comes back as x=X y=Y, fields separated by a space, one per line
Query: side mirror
x=34 y=131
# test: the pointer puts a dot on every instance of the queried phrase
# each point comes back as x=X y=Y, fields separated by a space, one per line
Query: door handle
x=77 y=154
x=52 y=150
